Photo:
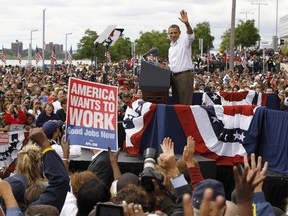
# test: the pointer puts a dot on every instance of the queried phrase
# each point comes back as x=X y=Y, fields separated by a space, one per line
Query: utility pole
x=259 y=4
x=246 y=13
x=232 y=35
x=43 y=43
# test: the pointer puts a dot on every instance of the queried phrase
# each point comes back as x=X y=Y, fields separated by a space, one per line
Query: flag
x=234 y=98
x=53 y=58
x=38 y=56
x=108 y=56
x=19 y=57
x=136 y=119
x=70 y=57
x=132 y=61
x=244 y=62
x=11 y=143
x=3 y=57
x=218 y=131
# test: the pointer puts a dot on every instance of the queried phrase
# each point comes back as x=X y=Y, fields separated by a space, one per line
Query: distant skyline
x=62 y=17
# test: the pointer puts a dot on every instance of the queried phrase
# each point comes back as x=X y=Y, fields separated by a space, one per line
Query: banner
x=92 y=115
x=10 y=143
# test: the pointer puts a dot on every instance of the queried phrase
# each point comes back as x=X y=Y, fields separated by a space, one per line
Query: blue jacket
x=260 y=206
x=42 y=118
x=58 y=179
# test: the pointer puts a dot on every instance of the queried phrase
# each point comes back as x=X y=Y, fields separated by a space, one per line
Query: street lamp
x=30 y=48
x=277 y=20
x=259 y=4
x=246 y=13
x=43 y=42
x=66 y=44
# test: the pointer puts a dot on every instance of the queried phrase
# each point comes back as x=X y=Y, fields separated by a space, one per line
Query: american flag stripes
x=235 y=98
x=70 y=57
x=218 y=131
x=244 y=62
x=133 y=60
x=38 y=56
x=3 y=57
x=108 y=56
x=19 y=57
x=53 y=57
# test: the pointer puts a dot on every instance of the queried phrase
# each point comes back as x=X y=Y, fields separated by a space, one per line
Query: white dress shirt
x=180 y=53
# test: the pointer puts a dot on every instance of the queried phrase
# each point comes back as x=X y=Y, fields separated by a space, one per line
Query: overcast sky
x=19 y=17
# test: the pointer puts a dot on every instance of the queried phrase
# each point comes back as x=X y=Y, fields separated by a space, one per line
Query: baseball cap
x=18 y=184
x=199 y=189
x=51 y=126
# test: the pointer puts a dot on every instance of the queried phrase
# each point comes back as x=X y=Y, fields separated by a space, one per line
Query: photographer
x=14 y=115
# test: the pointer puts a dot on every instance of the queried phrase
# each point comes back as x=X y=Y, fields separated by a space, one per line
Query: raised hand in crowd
x=245 y=186
x=38 y=136
x=114 y=162
x=188 y=152
x=167 y=146
x=256 y=167
x=167 y=159
x=65 y=145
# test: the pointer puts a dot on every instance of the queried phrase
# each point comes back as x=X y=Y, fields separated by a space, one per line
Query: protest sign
x=92 y=115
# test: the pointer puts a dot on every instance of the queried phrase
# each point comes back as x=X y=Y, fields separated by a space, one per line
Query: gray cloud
x=19 y=17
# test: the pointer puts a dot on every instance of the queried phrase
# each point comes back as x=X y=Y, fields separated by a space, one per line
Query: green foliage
x=121 y=49
x=202 y=30
x=86 y=46
x=246 y=35
x=225 y=44
x=151 y=39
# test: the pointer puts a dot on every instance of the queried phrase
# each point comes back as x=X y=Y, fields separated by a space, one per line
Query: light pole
x=259 y=4
x=66 y=44
x=30 y=48
x=43 y=42
x=277 y=20
x=246 y=13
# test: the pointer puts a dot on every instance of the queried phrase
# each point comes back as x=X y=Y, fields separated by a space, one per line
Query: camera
x=108 y=209
x=149 y=173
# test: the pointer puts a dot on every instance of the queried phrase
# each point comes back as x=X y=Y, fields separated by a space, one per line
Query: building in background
x=50 y=45
x=17 y=46
x=283 y=29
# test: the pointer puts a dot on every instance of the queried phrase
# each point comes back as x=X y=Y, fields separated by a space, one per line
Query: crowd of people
x=39 y=181
x=38 y=100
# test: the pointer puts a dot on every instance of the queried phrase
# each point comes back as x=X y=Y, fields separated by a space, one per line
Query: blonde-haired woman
x=28 y=163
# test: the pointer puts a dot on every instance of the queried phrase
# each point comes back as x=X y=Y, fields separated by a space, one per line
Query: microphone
x=152 y=51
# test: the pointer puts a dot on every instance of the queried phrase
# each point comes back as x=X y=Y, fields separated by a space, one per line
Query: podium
x=154 y=82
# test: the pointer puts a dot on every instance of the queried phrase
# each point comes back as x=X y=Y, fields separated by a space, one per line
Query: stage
x=134 y=164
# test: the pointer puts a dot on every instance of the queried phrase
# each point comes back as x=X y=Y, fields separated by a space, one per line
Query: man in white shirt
x=61 y=95
x=180 y=61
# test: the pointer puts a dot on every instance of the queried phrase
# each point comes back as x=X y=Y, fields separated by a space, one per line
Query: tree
x=202 y=30
x=151 y=39
x=246 y=35
x=86 y=46
x=225 y=41
x=121 y=49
